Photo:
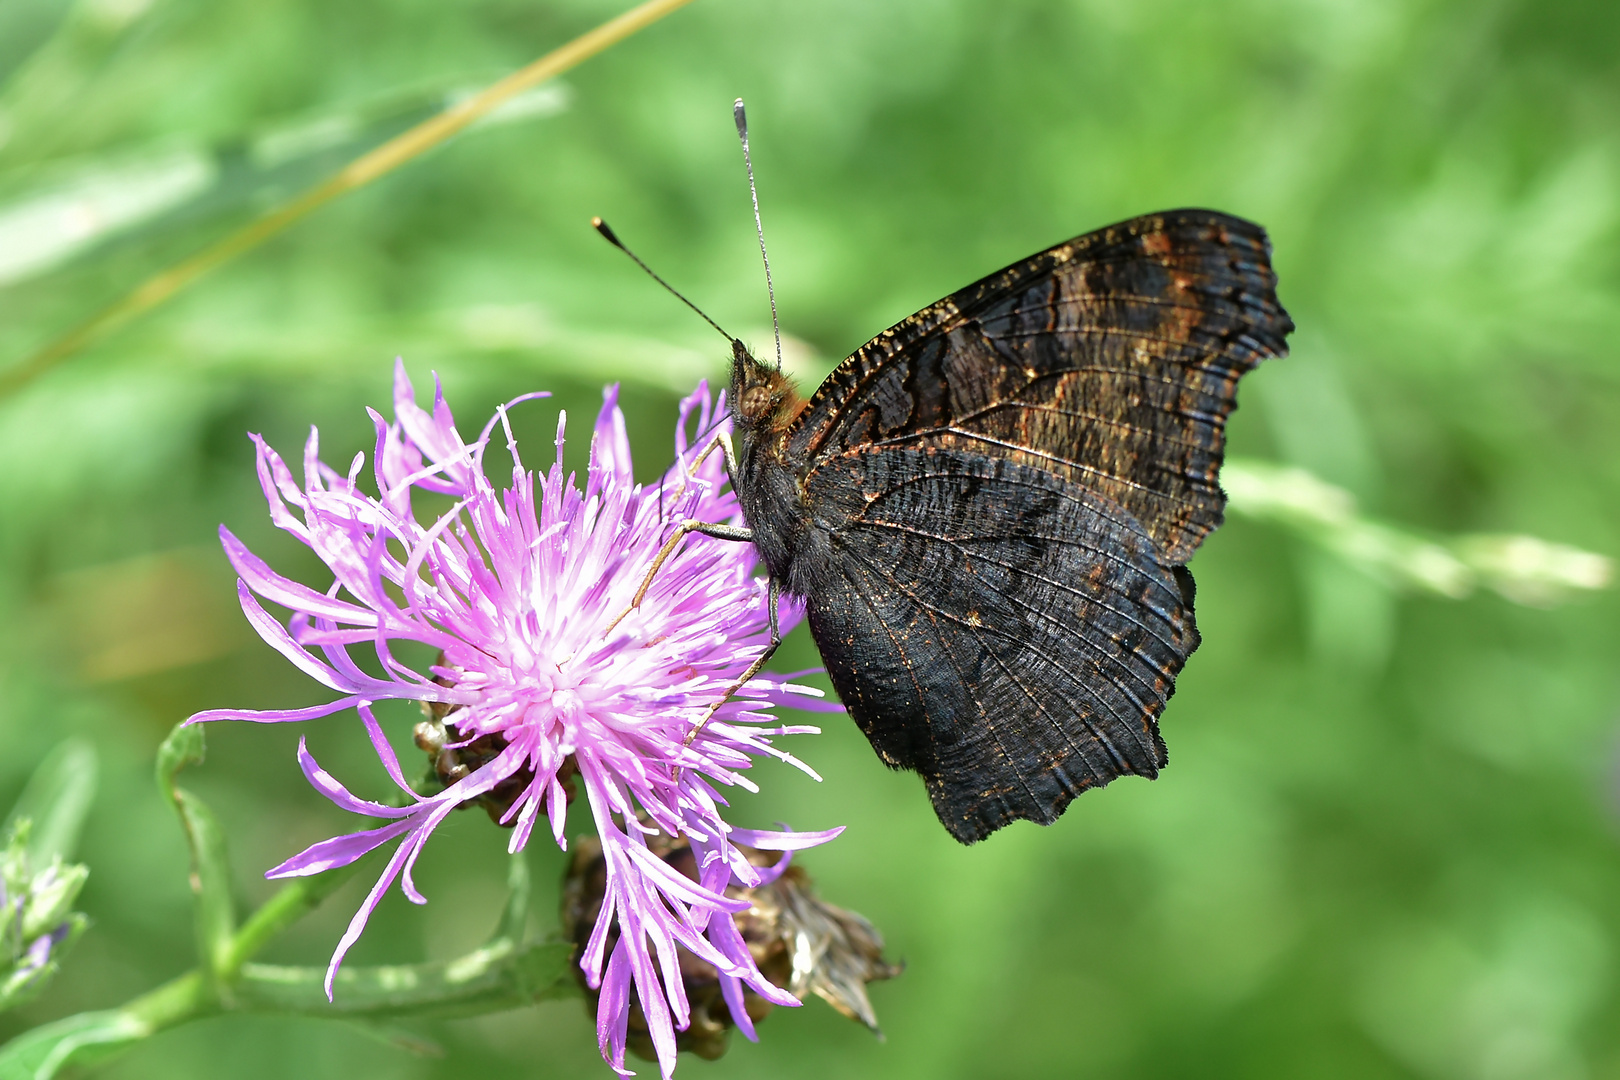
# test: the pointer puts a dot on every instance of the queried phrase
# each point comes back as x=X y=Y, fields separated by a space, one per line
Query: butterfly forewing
x=1111 y=360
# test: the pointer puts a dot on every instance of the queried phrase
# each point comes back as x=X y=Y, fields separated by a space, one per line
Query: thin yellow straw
x=359 y=172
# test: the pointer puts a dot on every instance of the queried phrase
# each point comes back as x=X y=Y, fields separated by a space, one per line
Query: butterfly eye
x=756 y=401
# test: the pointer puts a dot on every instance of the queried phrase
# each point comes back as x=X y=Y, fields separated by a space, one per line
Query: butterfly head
x=762 y=397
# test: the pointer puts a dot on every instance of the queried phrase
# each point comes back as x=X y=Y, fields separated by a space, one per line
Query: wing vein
x=1104 y=705
x=1086 y=642
x=922 y=698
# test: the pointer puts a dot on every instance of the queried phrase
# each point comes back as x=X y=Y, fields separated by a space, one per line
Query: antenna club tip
x=741 y=116
x=607 y=234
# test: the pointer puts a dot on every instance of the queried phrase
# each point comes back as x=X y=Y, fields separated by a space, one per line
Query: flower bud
x=50 y=898
x=37 y=922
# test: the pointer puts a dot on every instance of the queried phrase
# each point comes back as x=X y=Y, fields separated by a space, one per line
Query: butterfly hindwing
x=1111 y=360
x=1006 y=633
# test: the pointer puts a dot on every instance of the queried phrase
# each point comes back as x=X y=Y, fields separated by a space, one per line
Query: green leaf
x=41 y=1053
x=57 y=800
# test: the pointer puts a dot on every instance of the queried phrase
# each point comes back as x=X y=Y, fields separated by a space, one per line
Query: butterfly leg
x=773 y=595
x=692 y=525
x=722 y=441
x=720 y=532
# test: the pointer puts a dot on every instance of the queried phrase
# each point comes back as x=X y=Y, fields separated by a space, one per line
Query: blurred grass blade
x=210 y=867
x=364 y=169
x=1532 y=571
x=51 y=225
x=398 y=1038
x=41 y=1053
x=1524 y=569
x=26 y=25
x=1327 y=515
x=56 y=800
x=44 y=66
x=84 y=210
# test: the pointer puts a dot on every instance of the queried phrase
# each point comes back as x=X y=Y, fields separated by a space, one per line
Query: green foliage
x=38 y=886
x=39 y=1054
x=1385 y=845
x=509 y=971
x=56 y=801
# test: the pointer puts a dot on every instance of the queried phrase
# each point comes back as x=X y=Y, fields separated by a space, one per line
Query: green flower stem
x=291 y=903
x=175 y=1002
x=500 y=975
x=90 y=1037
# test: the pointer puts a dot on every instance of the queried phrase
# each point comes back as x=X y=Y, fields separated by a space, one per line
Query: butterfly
x=988 y=508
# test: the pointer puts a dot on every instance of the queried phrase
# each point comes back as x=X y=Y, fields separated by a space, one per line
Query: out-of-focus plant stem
x=185 y=998
x=1524 y=569
x=282 y=910
x=364 y=169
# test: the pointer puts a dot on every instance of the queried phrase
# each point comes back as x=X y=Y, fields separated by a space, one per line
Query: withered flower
x=798 y=941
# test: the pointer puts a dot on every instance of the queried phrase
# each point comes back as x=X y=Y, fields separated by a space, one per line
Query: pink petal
x=323 y=782
x=783 y=841
x=273 y=716
x=338 y=851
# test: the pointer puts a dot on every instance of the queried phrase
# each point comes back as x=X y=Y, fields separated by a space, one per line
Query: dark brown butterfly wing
x=1111 y=360
x=1002 y=631
x=1001 y=492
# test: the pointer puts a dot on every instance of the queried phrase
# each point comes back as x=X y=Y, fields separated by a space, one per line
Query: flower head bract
x=519 y=591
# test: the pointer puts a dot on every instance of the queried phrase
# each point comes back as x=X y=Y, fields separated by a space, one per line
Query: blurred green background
x=1386 y=845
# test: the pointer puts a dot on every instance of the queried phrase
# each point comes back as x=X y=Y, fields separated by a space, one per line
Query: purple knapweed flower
x=518 y=590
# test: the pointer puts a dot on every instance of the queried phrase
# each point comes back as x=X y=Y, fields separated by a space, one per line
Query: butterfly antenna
x=613 y=238
x=742 y=133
